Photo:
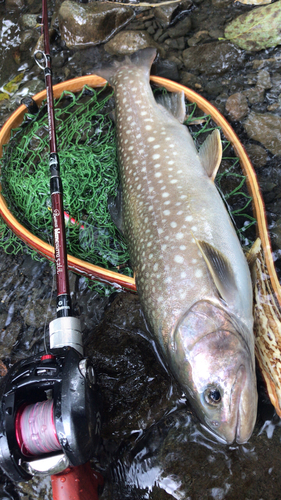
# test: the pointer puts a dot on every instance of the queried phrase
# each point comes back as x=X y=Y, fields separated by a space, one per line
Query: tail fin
x=143 y=59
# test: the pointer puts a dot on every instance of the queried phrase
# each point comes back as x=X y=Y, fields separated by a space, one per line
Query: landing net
x=88 y=160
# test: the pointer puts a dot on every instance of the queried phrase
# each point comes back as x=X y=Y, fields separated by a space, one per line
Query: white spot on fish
x=194 y=228
x=182 y=247
x=160 y=230
x=173 y=181
x=155 y=267
x=124 y=100
x=189 y=218
x=143 y=113
x=165 y=195
x=167 y=202
x=178 y=259
x=198 y=273
x=138 y=136
x=157 y=165
x=171 y=162
x=151 y=139
x=163 y=247
x=150 y=256
x=156 y=146
x=168 y=280
x=148 y=127
x=158 y=174
x=156 y=156
x=166 y=212
x=173 y=224
x=183 y=274
x=167 y=138
x=194 y=261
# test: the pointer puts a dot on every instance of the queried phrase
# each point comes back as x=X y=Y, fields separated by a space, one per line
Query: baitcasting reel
x=49 y=414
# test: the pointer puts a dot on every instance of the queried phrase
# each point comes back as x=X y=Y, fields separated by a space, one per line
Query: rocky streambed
x=153 y=446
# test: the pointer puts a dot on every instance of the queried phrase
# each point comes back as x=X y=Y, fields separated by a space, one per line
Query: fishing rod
x=50 y=405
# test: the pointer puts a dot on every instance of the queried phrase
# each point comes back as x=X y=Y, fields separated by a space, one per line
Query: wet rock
x=274 y=107
x=8 y=338
x=257 y=154
x=158 y=33
x=200 y=36
x=82 y=25
x=28 y=21
x=28 y=37
x=128 y=42
x=37 y=311
x=167 y=69
x=263 y=79
x=255 y=95
x=275 y=234
x=136 y=389
x=237 y=106
x=181 y=28
x=219 y=4
x=214 y=88
x=164 y=14
x=212 y=58
x=175 y=43
x=13 y=5
x=266 y=129
x=189 y=80
x=257 y=29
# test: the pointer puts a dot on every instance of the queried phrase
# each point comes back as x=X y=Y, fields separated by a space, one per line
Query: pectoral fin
x=210 y=154
x=220 y=270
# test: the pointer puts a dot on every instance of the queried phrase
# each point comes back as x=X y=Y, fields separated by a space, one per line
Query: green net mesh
x=88 y=161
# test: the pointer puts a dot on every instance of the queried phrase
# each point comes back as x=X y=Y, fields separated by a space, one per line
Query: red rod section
x=63 y=291
x=77 y=483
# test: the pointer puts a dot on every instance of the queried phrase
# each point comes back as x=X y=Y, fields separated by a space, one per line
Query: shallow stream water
x=153 y=446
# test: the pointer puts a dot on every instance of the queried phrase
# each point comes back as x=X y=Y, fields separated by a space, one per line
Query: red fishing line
x=35 y=429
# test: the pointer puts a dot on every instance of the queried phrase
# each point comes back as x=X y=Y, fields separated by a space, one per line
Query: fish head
x=215 y=366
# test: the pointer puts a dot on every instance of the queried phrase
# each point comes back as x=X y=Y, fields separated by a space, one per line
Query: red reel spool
x=35 y=429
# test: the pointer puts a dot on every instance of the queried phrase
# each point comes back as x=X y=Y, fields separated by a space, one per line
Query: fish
x=191 y=274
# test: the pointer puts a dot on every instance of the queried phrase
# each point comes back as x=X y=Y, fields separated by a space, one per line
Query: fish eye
x=212 y=396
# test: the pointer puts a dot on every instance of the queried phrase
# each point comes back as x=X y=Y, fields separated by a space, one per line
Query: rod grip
x=77 y=483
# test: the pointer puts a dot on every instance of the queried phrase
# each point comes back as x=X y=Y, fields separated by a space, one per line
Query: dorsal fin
x=220 y=270
x=174 y=103
x=210 y=154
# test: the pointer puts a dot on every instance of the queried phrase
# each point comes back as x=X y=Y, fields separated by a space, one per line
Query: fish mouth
x=235 y=399
x=232 y=429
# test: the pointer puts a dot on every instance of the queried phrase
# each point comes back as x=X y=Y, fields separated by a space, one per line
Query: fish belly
x=169 y=202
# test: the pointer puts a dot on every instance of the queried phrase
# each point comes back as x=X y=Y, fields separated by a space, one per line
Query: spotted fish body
x=191 y=274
